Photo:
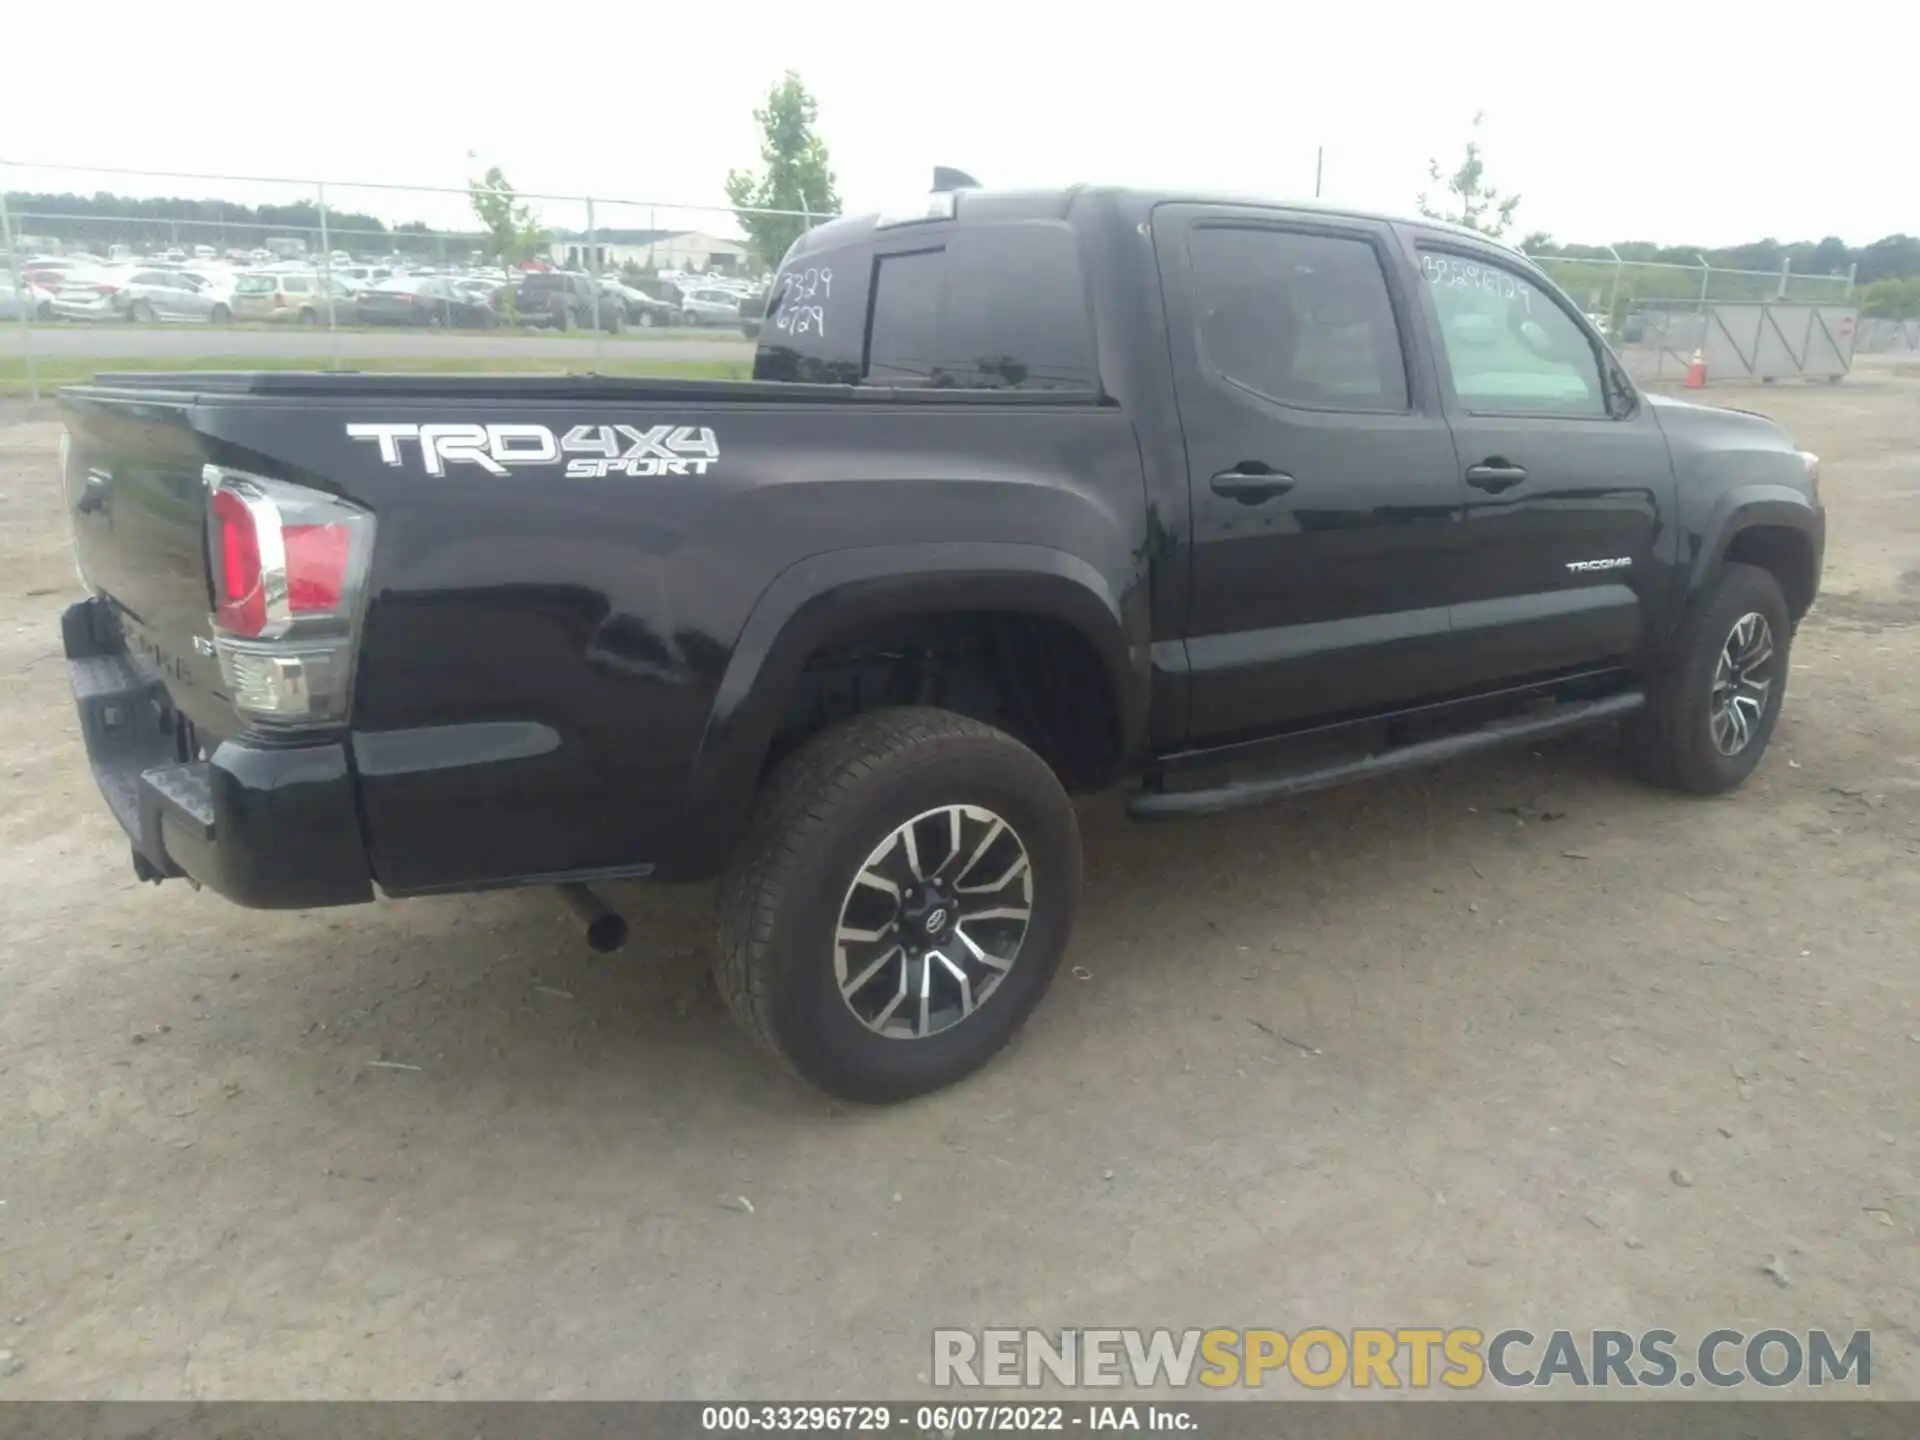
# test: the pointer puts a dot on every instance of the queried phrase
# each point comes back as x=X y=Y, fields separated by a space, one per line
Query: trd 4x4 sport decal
x=590 y=451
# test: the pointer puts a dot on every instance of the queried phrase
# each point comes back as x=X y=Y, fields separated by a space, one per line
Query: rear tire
x=785 y=965
x=220 y=315
x=142 y=313
x=1708 y=718
x=308 y=316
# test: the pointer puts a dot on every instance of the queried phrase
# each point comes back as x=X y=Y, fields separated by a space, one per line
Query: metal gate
x=1766 y=340
x=1773 y=342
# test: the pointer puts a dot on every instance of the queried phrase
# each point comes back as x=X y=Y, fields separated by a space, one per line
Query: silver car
x=139 y=293
x=710 y=307
x=17 y=295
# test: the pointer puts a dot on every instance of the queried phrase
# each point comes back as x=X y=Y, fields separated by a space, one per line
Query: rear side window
x=1299 y=318
x=999 y=307
x=253 y=285
x=980 y=307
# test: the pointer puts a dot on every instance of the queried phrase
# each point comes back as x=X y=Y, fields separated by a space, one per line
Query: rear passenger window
x=999 y=307
x=1301 y=319
x=992 y=305
x=906 y=314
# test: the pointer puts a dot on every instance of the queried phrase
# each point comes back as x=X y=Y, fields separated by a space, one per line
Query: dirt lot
x=1429 y=1051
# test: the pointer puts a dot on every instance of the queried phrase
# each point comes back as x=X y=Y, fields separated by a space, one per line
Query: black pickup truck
x=1033 y=494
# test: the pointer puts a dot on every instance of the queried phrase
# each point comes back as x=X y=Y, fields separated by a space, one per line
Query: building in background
x=651 y=250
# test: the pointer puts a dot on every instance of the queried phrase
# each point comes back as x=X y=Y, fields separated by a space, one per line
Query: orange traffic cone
x=1697 y=371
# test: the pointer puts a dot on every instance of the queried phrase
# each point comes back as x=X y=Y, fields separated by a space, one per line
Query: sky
x=1675 y=122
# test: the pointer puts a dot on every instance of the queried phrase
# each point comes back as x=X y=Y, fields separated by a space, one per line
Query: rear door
x=1566 y=474
x=1325 y=497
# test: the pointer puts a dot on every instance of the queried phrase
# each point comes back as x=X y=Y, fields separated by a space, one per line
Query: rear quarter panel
x=542 y=654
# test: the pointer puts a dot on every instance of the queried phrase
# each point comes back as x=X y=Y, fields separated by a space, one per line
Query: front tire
x=877 y=957
x=220 y=315
x=1712 y=708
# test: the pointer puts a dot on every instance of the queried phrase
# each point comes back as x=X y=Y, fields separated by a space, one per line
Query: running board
x=1239 y=794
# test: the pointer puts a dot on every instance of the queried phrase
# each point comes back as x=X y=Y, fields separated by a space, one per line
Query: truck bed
x=584 y=389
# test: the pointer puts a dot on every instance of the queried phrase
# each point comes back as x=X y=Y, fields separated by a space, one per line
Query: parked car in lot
x=430 y=300
x=18 y=294
x=708 y=306
x=562 y=300
x=140 y=294
x=492 y=292
x=284 y=296
x=52 y=273
x=1216 y=500
x=215 y=284
x=638 y=307
x=753 y=310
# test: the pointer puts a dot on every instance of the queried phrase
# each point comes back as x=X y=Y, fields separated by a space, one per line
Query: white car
x=213 y=282
x=140 y=293
x=17 y=295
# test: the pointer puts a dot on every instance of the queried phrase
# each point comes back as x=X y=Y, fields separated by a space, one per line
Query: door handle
x=1251 y=486
x=1495 y=475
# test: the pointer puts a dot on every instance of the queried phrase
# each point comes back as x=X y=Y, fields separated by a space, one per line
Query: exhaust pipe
x=604 y=928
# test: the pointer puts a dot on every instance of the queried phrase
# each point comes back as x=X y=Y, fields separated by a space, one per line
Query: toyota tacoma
x=1032 y=494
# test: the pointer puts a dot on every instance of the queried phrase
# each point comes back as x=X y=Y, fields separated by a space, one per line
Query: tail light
x=287 y=567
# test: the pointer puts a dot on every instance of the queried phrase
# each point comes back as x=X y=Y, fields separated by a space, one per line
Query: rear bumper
x=269 y=826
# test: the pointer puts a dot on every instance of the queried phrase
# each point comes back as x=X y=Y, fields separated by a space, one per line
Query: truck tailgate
x=137 y=507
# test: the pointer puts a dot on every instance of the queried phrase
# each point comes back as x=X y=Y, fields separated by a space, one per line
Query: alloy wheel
x=933 y=922
x=1742 y=683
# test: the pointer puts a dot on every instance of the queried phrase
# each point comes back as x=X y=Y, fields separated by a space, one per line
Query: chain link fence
x=1761 y=324
x=158 y=271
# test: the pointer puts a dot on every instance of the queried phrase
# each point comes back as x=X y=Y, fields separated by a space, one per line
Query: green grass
x=56 y=371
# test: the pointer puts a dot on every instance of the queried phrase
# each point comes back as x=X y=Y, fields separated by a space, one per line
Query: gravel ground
x=1428 y=1051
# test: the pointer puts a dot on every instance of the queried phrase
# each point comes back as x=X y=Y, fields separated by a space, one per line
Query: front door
x=1566 y=474
x=1325 y=498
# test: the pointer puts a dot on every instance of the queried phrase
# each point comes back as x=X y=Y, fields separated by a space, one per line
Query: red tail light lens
x=287 y=567
x=240 y=605
x=317 y=558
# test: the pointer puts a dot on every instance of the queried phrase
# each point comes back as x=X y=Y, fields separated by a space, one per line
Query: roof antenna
x=945 y=178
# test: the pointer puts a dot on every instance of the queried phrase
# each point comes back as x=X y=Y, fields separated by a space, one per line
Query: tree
x=1891 y=299
x=1474 y=203
x=514 y=232
x=796 y=176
